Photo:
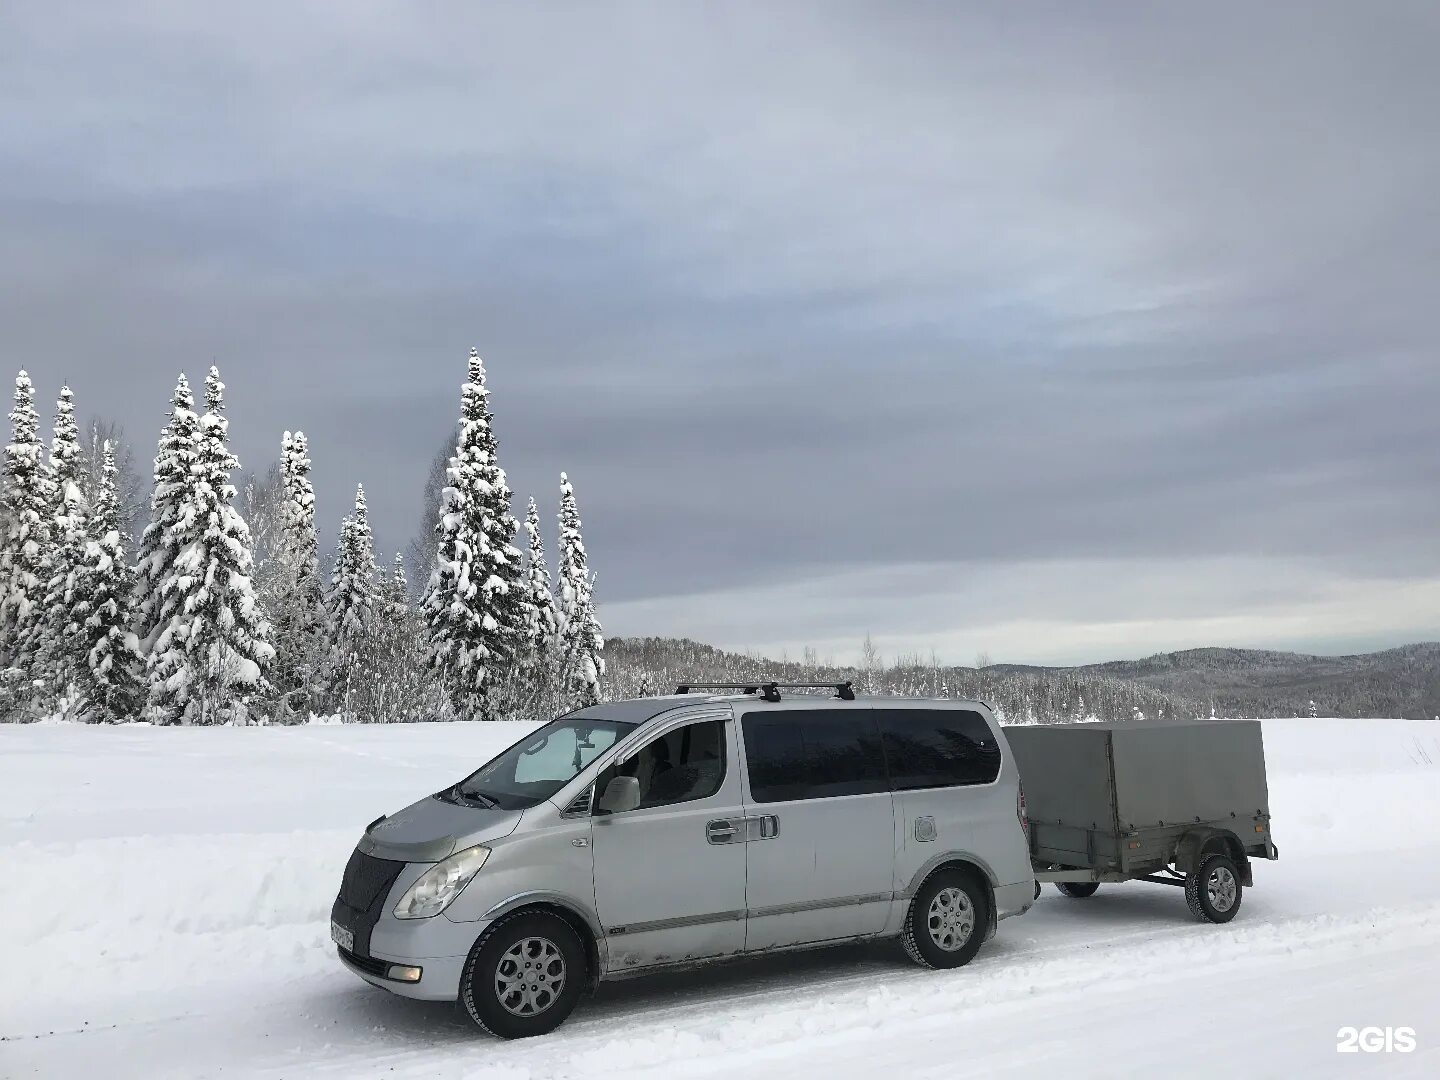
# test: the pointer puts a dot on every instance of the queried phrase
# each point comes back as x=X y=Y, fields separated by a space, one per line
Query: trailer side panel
x=1176 y=774
x=1066 y=774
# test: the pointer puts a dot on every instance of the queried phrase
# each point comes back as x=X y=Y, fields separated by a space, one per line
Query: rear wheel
x=524 y=976
x=1077 y=890
x=947 y=921
x=1212 y=889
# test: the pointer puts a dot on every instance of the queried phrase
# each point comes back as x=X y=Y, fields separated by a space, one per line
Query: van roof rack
x=770 y=690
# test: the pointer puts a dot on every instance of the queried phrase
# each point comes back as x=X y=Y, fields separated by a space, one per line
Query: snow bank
x=166 y=895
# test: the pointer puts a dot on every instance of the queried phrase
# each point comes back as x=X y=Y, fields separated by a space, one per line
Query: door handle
x=720 y=832
x=761 y=827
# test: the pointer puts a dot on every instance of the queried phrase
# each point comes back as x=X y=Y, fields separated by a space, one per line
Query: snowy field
x=164 y=897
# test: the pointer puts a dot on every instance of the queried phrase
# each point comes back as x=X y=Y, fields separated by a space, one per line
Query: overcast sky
x=1062 y=331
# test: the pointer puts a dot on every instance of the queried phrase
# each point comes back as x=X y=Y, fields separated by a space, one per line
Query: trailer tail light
x=1020 y=811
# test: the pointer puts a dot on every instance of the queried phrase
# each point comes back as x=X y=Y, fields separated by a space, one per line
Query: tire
x=1077 y=890
x=1213 y=890
x=947 y=921
x=498 y=958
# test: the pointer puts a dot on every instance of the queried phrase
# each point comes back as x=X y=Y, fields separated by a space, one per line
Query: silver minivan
x=637 y=836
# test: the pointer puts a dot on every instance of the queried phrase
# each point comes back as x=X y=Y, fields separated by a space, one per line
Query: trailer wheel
x=1212 y=889
x=1077 y=890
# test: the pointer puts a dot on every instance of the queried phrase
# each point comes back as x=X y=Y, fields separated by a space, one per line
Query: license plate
x=342 y=937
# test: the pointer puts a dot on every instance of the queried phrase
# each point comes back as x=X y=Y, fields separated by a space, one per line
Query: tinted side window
x=812 y=754
x=927 y=748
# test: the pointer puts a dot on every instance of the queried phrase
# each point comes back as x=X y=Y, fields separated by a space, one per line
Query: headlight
x=441 y=884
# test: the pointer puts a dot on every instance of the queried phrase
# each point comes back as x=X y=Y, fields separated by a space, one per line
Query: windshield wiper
x=477 y=796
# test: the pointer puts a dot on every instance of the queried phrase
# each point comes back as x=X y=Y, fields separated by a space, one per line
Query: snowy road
x=165 y=895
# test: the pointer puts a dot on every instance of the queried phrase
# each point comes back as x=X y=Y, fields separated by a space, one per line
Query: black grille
x=370 y=967
x=363 y=890
x=366 y=877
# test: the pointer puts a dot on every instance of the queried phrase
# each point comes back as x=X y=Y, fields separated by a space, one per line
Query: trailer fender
x=1197 y=843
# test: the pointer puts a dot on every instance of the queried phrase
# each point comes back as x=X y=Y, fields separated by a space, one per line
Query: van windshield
x=539 y=765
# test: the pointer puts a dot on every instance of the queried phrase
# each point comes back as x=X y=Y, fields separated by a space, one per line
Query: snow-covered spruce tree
x=472 y=604
x=25 y=552
x=110 y=686
x=398 y=594
x=542 y=624
x=292 y=594
x=581 y=638
x=163 y=537
x=61 y=654
x=213 y=647
x=350 y=605
x=130 y=495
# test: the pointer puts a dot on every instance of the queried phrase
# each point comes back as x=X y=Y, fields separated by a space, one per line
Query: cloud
x=798 y=294
x=1049 y=612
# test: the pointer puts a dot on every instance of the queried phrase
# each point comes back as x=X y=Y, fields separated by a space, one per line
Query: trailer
x=1181 y=803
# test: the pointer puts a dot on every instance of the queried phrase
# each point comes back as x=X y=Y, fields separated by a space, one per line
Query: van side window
x=812 y=754
x=680 y=766
x=926 y=748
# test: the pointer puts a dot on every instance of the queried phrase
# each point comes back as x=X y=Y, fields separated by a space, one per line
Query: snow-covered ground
x=164 y=897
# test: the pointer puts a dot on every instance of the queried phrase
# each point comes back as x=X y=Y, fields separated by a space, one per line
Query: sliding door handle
x=720 y=832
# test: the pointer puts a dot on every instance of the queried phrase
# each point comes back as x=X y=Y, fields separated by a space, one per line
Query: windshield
x=537 y=767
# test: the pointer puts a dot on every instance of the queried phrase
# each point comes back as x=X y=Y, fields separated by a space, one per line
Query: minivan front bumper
x=377 y=940
x=439 y=975
x=436 y=946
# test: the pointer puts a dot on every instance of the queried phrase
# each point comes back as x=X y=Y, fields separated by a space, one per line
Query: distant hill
x=638 y=667
x=1403 y=682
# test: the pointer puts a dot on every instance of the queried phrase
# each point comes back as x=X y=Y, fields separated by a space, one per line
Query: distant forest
x=641 y=667
x=1403 y=682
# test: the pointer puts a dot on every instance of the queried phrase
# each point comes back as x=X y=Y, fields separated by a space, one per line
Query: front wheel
x=1212 y=889
x=947 y=920
x=524 y=976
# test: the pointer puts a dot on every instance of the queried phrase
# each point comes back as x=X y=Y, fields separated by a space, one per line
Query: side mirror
x=621 y=794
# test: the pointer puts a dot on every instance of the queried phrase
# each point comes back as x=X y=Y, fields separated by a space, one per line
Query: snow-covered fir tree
x=130 y=493
x=110 y=686
x=542 y=622
x=210 y=655
x=163 y=537
x=581 y=638
x=473 y=602
x=25 y=552
x=293 y=596
x=61 y=652
x=398 y=595
x=351 y=603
